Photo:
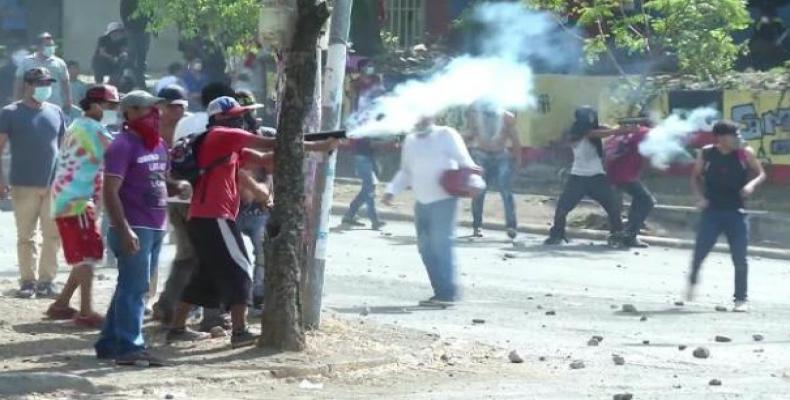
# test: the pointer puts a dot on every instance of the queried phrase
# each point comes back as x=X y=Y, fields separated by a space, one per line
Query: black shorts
x=222 y=277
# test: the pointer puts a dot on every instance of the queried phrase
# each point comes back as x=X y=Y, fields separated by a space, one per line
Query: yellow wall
x=759 y=112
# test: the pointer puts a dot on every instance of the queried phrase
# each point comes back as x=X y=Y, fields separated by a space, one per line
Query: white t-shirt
x=424 y=158
x=586 y=160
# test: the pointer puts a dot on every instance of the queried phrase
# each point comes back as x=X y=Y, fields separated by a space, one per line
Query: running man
x=721 y=181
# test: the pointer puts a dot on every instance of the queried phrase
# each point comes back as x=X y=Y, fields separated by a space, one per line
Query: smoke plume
x=500 y=75
x=667 y=141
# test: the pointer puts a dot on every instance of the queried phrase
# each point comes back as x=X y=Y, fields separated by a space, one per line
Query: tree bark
x=282 y=318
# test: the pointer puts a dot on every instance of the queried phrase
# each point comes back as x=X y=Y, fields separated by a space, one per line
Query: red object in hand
x=463 y=182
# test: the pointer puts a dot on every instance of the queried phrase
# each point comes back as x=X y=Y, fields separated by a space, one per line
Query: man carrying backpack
x=223 y=276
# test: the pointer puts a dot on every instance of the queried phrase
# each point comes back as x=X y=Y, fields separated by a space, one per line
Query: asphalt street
x=548 y=302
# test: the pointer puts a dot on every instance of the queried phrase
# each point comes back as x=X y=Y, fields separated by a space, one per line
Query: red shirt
x=216 y=193
x=623 y=161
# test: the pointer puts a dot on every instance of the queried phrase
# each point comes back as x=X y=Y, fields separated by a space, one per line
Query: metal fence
x=405 y=19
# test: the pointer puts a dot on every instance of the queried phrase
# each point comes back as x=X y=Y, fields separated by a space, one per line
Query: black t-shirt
x=112 y=47
x=725 y=176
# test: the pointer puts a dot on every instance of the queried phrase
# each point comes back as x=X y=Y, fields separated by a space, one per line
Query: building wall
x=85 y=20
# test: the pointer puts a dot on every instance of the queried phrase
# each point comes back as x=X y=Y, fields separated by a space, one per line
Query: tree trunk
x=282 y=319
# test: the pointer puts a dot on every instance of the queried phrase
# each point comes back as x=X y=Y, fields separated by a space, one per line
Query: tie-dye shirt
x=78 y=174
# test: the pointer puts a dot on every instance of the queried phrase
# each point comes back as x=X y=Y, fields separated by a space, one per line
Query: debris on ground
x=551 y=312
x=682 y=347
x=217 y=332
x=515 y=358
x=701 y=352
x=618 y=360
x=629 y=308
x=578 y=364
x=720 y=309
x=593 y=342
x=680 y=304
x=758 y=337
x=306 y=384
x=723 y=339
x=644 y=318
x=478 y=321
x=714 y=382
x=623 y=396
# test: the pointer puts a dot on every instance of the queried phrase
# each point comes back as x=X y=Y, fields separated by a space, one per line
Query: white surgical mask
x=42 y=93
x=109 y=118
x=370 y=70
x=49 y=51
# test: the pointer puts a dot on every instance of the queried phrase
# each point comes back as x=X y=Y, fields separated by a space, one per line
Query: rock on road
x=586 y=284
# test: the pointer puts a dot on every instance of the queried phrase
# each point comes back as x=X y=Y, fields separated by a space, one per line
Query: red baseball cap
x=106 y=93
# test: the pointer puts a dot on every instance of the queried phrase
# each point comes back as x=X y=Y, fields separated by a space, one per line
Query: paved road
x=585 y=284
x=581 y=283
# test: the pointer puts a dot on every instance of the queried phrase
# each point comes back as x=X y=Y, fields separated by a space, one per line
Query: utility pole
x=332 y=111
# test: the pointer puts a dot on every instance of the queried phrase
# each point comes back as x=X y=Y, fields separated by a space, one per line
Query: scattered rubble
x=593 y=342
x=578 y=364
x=478 y=321
x=701 y=352
x=723 y=339
x=515 y=358
x=551 y=312
x=629 y=308
x=618 y=360
x=721 y=309
x=714 y=382
x=644 y=318
x=758 y=337
x=682 y=347
x=623 y=396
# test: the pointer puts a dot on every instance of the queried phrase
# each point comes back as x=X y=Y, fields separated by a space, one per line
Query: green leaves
x=231 y=23
x=696 y=34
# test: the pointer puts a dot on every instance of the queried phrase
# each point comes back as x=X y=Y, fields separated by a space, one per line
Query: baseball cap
x=227 y=106
x=113 y=26
x=139 y=98
x=38 y=75
x=44 y=36
x=106 y=93
x=174 y=94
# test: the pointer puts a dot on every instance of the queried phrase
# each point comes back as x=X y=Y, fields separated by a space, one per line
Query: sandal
x=58 y=312
x=92 y=321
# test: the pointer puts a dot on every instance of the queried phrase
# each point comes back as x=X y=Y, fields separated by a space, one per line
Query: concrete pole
x=332 y=111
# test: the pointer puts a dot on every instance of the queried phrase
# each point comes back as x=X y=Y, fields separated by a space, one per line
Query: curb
x=779 y=254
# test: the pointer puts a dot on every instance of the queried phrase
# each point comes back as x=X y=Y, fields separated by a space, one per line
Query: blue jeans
x=367 y=193
x=735 y=226
x=498 y=167
x=123 y=327
x=254 y=227
x=435 y=223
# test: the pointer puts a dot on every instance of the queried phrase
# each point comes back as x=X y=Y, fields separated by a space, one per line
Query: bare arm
x=3 y=184
x=756 y=167
x=697 y=179
x=254 y=158
x=112 y=201
x=267 y=143
x=260 y=192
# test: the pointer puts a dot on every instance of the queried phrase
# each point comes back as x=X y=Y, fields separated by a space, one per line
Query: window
x=405 y=19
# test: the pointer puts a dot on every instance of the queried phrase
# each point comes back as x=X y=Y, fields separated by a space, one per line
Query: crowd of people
x=113 y=171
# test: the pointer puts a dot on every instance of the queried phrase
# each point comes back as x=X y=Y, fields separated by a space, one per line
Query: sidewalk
x=587 y=221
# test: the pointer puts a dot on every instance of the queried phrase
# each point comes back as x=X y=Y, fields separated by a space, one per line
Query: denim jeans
x=254 y=227
x=365 y=168
x=435 y=223
x=498 y=167
x=123 y=327
x=597 y=187
x=642 y=203
x=735 y=226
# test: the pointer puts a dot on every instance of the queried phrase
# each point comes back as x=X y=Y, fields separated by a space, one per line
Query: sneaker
x=90 y=321
x=140 y=359
x=58 y=312
x=635 y=243
x=477 y=232
x=352 y=222
x=691 y=292
x=26 y=290
x=242 y=339
x=554 y=240
x=511 y=233
x=47 y=290
x=186 y=335
x=435 y=302
x=740 y=306
x=616 y=241
x=378 y=225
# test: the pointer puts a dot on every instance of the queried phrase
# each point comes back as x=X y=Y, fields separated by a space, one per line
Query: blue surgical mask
x=49 y=51
x=42 y=93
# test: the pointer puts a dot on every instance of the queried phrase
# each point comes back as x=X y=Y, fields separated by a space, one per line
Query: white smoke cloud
x=500 y=75
x=666 y=142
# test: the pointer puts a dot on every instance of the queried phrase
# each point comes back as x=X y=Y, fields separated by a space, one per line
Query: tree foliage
x=695 y=34
x=230 y=23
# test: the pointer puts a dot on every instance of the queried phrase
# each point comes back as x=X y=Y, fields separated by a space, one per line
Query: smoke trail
x=667 y=141
x=500 y=76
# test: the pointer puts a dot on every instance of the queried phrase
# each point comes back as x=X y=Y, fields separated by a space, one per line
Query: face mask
x=42 y=93
x=197 y=67
x=109 y=118
x=147 y=127
x=49 y=51
x=370 y=70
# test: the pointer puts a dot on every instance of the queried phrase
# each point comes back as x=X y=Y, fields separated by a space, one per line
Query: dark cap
x=725 y=127
x=38 y=76
x=174 y=94
x=106 y=93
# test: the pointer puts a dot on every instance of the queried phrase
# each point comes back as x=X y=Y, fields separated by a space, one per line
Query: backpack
x=184 y=158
